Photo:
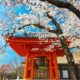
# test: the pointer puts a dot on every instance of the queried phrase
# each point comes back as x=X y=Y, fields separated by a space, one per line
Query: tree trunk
x=69 y=56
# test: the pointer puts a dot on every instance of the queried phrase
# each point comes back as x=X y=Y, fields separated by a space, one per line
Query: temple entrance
x=41 y=68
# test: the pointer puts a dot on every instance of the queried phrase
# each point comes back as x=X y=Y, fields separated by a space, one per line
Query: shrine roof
x=35 y=45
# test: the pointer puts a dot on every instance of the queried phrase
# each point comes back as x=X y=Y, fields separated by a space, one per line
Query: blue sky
x=10 y=56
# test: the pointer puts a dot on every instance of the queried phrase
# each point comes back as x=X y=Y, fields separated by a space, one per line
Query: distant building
x=63 y=67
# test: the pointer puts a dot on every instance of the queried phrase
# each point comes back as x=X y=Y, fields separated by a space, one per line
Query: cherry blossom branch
x=59 y=31
x=47 y=29
x=66 y=5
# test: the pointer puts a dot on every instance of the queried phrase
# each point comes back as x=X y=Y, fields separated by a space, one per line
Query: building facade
x=64 y=69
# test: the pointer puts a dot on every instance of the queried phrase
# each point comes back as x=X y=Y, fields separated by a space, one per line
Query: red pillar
x=50 y=68
x=26 y=66
x=56 y=66
x=32 y=68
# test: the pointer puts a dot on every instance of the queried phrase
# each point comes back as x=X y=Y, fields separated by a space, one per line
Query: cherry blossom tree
x=59 y=17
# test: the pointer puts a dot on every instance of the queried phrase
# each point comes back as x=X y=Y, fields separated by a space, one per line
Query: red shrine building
x=40 y=63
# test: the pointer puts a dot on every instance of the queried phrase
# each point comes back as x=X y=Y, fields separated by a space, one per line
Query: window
x=65 y=74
